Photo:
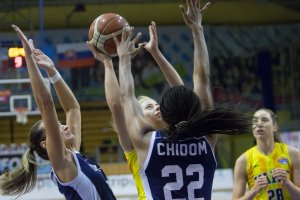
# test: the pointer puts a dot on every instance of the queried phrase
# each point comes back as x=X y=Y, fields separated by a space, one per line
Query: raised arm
x=134 y=118
x=66 y=97
x=193 y=19
x=167 y=69
x=44 y=101
x=113 y=98
x=201 y=75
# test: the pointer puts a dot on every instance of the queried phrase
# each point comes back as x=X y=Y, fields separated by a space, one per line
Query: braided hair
x=181 y=109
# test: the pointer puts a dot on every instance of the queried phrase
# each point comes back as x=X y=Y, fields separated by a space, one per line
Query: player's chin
x=70 y=140
x=158 y=118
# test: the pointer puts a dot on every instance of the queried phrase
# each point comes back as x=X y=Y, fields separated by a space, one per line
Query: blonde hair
x=22 y=179
x=140 y=99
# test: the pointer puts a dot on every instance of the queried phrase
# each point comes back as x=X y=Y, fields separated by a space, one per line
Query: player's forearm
x=201 y=57
x=167 y=69
x=112 y=88
x=40 y=91
x=125 y=76
x=66 y=97
x=293 y=189
x=249 y=195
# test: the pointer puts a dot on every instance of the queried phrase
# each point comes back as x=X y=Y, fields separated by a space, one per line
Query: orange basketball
x=100 y=32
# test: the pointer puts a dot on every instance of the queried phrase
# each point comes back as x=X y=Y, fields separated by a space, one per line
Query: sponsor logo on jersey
x=283 y=160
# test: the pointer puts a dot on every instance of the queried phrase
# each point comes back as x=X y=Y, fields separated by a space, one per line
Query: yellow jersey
x=132 y=161
x=259 y=164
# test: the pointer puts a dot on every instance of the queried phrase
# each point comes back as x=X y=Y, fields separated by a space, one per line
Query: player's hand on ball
x=97 y=54
x=127 y=46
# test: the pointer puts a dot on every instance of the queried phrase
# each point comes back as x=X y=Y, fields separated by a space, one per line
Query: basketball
x=100 y=32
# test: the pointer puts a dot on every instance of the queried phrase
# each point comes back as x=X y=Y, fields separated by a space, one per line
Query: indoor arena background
x=254 y=49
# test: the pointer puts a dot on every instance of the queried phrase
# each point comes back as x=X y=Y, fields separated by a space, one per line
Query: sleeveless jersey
x=181 y=169
x=134 y=168
x=259 y=164
x=90 y=183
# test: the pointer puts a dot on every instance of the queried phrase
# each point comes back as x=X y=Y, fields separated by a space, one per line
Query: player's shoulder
x=241 y=160
x=294 y=152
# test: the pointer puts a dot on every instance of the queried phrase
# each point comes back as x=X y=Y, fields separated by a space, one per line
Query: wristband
x=54 y=79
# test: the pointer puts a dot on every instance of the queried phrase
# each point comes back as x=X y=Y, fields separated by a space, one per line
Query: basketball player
x=271 y=168
x=148 y=104
x=177 y=161
x=75 y=176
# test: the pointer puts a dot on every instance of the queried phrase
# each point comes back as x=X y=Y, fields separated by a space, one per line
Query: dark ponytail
x=185 y=117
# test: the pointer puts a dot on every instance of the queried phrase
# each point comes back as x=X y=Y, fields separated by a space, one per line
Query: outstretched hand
x=42 y=60
x=193 y=15
x=152 y=45
x=127 y=46
x=27 y=44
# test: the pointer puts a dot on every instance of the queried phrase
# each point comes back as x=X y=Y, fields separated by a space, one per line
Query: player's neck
x=266 y=147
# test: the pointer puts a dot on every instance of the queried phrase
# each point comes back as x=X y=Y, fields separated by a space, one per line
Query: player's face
x=263 y=125
x=151 y=111
x=68 y=137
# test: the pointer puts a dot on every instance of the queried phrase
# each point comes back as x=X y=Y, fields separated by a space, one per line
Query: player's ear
x=43 y=144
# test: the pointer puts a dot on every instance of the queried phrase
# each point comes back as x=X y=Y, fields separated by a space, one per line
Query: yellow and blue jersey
x=259 y=164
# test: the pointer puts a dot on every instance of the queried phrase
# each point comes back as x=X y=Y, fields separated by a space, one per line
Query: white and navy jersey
x=90 y=183
x=181 y=169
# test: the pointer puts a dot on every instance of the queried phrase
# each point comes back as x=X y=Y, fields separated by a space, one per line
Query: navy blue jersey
x=181 y=169
x=90 y=183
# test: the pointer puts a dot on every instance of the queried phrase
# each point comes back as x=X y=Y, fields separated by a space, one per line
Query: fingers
x=197 y=3
x=31 y=44
x=151 y=31
x=138 y=49
x=141 y=45
x=280 y=174
x=153 y=25
x=182 y=9
x=91 y=47
x=128 y=34
x=262 y=181
x=116 y=39
x=205 y=7
x=38 y=52
x=19 y=32
x=137 y=37
x=123 y=38
x=184 y=13
x=194 y=4
x=36 y=59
